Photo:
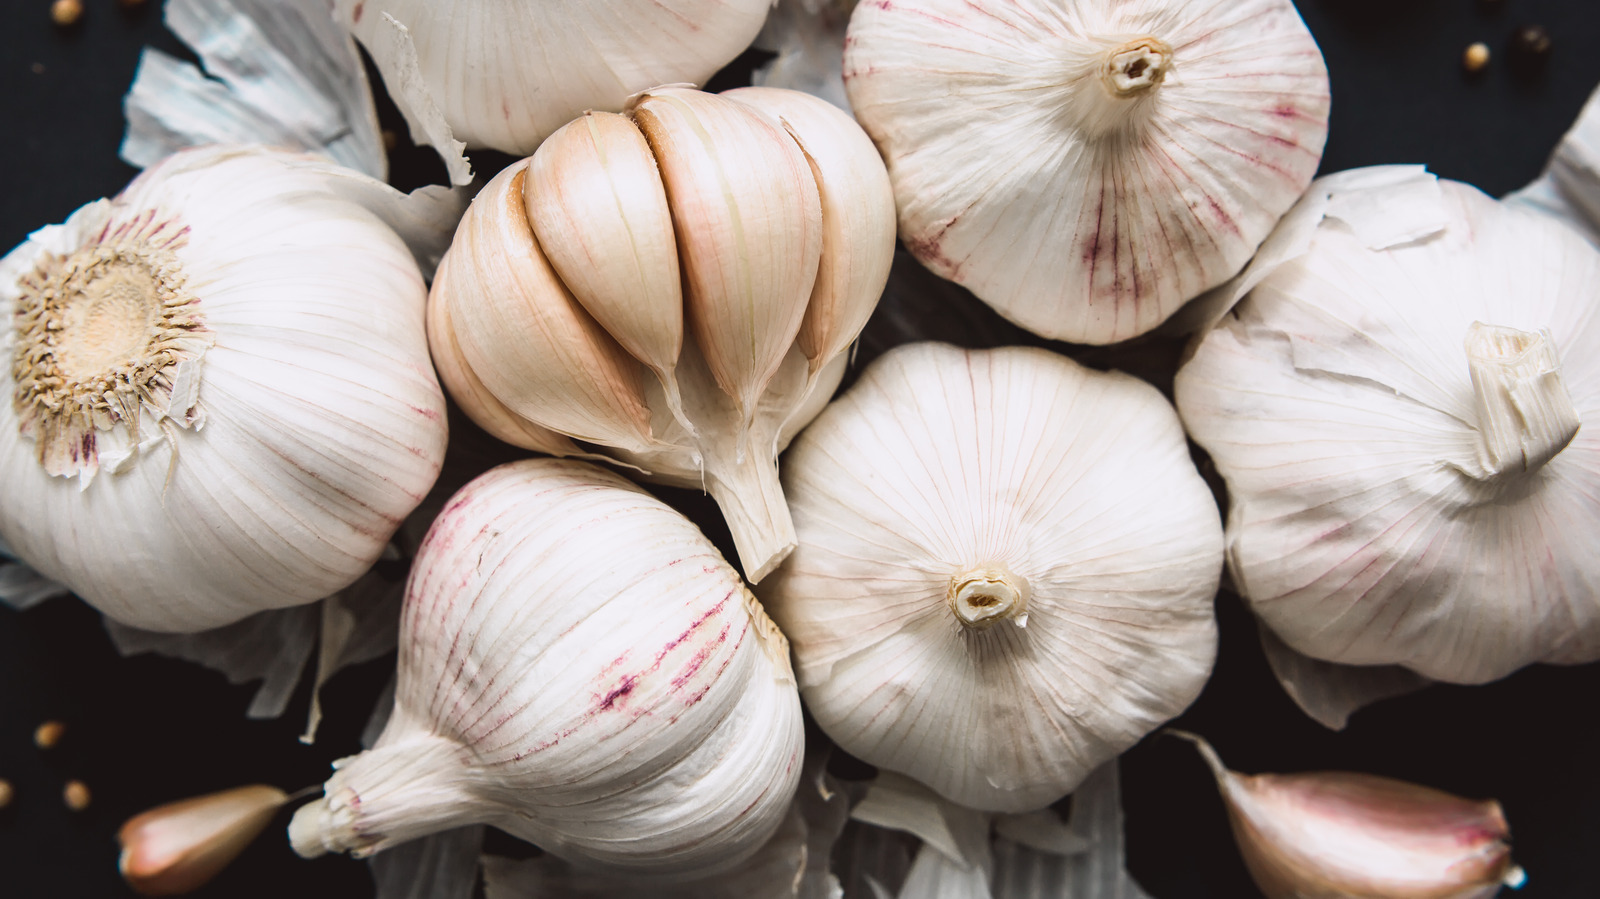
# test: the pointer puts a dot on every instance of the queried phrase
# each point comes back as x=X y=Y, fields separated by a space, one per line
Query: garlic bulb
x=1005 y=571
x=1396 y=409
x=1340 y=835
x=1087 y=167
x=219 y=396
x=675 y=287
x=579 y=668
x=533 y=66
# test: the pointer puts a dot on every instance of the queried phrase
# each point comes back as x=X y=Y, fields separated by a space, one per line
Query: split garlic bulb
x=219 y=399
x=675 y=287
x=1005 y=573
x=1396 y=408
x=507 y=73
x=1087 y=167
x=580 y=668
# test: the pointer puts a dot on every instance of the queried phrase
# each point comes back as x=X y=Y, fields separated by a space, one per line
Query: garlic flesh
x=630 y=709
x=674 y=288
x=1341 y=835
x=219 y=399
x=1005 y=572
x=1087 y=167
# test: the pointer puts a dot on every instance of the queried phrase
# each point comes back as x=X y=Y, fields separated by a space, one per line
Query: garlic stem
x=1525 y=414
x=1136 y=66
x=747 y=489
x=1108 y=90
x=983 y=597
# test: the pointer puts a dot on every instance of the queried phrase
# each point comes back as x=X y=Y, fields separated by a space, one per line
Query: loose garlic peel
x=228 y=361
x=634 y=710
x=995 y=550
x=1341 y=835
x=1087 y=167
x=675 y=288
x=1398 y=421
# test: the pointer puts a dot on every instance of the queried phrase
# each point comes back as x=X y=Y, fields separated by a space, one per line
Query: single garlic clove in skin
x=178 y=847
x=1088 y=166
x=580 y=668
x=1005 y=570
x=1339 y=835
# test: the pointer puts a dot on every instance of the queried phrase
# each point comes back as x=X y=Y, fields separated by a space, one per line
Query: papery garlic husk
x=1396 y=408
x=535 y=66
x=675 y=288
x=219 y=399
x=1005 y=572
x=580 y=668
x=1340 y=835
x=1087 y=167
x=178 y=847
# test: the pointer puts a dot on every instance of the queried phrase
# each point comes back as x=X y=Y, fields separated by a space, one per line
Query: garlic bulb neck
x=982 y=597
x=101 y=334
x=1110 y=90
x=1525 y=413
x=1136 y=67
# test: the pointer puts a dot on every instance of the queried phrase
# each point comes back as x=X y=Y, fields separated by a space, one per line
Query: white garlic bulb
x=580 y=668
x=675 y=287
x=1086 y=167
x=1005 y=573
x=219 y=399
x=507 y=73
x=1396 y=408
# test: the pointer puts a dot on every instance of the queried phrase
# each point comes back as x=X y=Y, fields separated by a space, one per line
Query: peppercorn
x=66 y=13
x=1531 y=42
x=76 y=795
x=48 y=734
x=1475 y=57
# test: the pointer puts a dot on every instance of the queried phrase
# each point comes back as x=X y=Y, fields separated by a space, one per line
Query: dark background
x=146 y=730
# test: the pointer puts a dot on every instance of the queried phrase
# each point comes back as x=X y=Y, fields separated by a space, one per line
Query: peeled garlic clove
x=481 y=406
x=177 y=848
x=529 y=342
x=1357 y=836
x=626 y=708
x=599 y=211
x=749 y=226
x=858 y=223
x=1396 y=409
x=228 y=361
x=1087 y=167
x=1005 y=570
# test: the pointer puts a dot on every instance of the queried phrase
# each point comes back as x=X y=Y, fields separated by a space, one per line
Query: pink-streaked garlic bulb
x=580 y=668
x=1087 y=166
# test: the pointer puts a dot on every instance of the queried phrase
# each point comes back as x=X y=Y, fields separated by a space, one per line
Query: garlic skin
x=1396 y=409
x=1087 y=167
x=218 y=396
x=1339 y=835
x=536 y=66
x=674 y=289
x=1005 y=573
x=631 y=709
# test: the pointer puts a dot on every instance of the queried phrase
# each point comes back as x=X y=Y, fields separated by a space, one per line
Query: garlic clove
x=858 y=216
x=1357 y=836
x=749 y=225
x=481 y=406
x=599 y=211
x=175 y=848
x=531 y=344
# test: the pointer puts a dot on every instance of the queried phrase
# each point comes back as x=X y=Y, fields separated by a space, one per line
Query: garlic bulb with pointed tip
x=1087 y=167
x=533 y=66
x=580 y=668
x=674 y=288
x=218 y=395
x=1401 y=408
x=1005 y=573
x=1340 y=835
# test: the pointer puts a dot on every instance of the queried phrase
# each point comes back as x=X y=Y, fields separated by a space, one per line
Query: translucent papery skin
x=1078 y=483
x=507 y=73
x=580 y=668
x=1079 y=215
x=323 y=423
x=1337 y=402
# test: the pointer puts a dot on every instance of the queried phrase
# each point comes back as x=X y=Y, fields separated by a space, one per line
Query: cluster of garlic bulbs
x=675 y=287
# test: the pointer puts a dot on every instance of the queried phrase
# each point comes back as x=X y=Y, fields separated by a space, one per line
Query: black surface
x=146 y=730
